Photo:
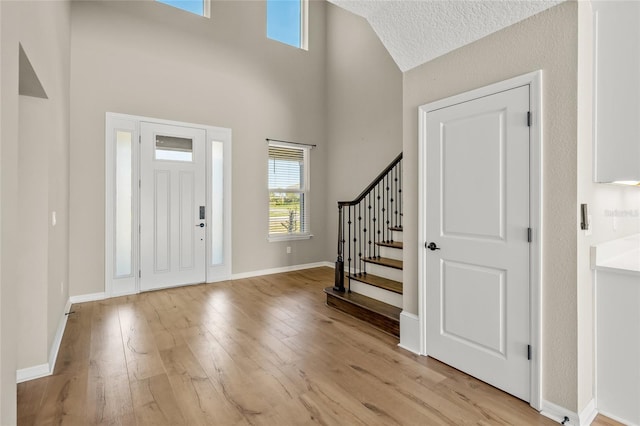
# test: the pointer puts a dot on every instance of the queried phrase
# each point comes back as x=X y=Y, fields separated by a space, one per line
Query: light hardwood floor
x=258 y=351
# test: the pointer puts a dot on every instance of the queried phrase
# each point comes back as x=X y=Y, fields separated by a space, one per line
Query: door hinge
x=139 y=273
x=529 y=118
x=139 y=138
x=529 y=235
x=529 y=352
x=139 y=229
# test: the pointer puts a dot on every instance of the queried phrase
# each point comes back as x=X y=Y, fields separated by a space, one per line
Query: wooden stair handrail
x=373 y=184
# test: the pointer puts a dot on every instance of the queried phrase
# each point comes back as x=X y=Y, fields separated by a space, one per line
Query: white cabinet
x=616 y=91
x=618 y=345
x=617 y=281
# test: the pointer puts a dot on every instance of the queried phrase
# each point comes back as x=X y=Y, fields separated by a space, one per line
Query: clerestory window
x=197 y=7
x=287 y=22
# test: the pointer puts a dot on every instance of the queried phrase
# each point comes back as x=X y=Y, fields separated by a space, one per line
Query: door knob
x=201 y=225
x=431 y=246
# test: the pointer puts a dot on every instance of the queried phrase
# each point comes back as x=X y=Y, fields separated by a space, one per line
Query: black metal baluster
x=349 y=251
x=339 y=267
x=395 y=183
x=359 y=242
x=400 y=191
x=388 y=218
x=378 y=212
x=369 y=210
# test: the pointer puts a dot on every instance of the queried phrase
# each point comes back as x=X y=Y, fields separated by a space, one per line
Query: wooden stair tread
x=384 y=261
x=396 y=228
x=393 y=244
x=381 y=282
x=379 y=314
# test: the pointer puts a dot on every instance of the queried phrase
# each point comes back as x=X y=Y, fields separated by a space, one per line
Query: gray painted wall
x=364 y=111
x=149 y=59
x=547 y=41
x=34 y=143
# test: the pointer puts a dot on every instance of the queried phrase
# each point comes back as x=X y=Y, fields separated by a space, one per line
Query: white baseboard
x=43 y=370
x=558 y=413
x=271 y=271
x=409 y=332
x=30 y=373
x=617 y=418
x=92 y=297
x=57 y=340
x=589 y=413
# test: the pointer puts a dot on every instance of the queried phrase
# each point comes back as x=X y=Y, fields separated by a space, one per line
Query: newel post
x=339 y=280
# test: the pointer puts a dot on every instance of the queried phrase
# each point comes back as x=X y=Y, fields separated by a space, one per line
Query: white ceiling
x=417 y=31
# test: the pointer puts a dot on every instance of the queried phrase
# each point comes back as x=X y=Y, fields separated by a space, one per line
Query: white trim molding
x=43 y=370
x=558 y=413
x=31 y=373
x=280 y=270
x=617 y=418
x=130 y=284
x=92 y=297
x=57 y=340
x=410 y=332
x=534 y=81
x=589 y=413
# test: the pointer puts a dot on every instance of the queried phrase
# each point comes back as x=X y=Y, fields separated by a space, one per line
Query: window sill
x=287 y=237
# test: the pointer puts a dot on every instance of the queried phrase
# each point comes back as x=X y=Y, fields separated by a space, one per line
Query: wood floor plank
x=65 y=399
x=142 y=356
x=30 y=395
x=75 y=346
x=260 y=351
x=155 y=403
x=109 y=399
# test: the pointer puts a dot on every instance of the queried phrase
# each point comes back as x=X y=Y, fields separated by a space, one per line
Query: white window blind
x=288 y=190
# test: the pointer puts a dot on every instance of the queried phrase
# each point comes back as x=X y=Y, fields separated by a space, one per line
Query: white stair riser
x=396 y=235
x=383 y=271
x=391 y=253
x=380 y=294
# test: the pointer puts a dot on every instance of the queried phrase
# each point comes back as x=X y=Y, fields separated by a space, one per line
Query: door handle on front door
x=201 y=225
x=431 y=246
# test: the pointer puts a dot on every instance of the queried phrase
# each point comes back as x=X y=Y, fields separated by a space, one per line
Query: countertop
x=618 y=255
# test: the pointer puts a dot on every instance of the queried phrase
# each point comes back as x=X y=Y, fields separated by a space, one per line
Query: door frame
x=534 y=81
x=115 y=286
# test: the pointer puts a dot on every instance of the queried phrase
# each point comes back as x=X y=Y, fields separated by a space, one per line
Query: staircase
x=368 y=277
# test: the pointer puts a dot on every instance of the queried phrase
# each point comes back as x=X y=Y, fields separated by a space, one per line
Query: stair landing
x=379 y=314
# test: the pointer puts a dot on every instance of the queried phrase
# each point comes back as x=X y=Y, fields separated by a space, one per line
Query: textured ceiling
x=416 y=31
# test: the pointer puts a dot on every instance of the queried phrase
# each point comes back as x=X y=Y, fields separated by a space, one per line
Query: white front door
x=172 y=206
x=477 y=219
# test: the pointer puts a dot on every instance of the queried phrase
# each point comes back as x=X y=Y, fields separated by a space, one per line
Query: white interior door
x=172 y=206
x=477 y=217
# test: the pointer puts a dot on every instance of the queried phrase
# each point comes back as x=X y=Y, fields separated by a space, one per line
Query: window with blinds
x=288 y=191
